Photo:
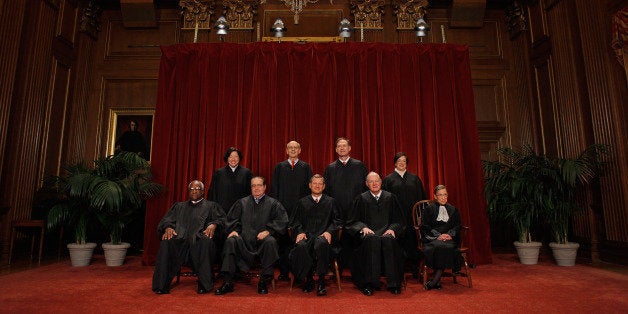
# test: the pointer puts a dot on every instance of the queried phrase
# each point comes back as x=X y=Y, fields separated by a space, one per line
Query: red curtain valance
x=385 y=98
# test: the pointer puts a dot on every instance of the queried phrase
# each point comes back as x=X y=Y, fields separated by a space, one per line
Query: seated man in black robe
x=377 y=218
x=187 y=232
x=314 y=221
x=252 y=224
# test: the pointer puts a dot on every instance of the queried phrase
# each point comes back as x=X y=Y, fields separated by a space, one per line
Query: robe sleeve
x=336 y=220
x=274 y=184
x=295 y=223
x=454 y=223
x=353 y=223
x=279 y=221
x=397 y=220
x=213 y=186
x=233 y=220
x=216 y=216
x=168 y=221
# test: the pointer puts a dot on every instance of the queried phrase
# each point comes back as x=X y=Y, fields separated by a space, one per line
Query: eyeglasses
x=195 y=189
x=441 y=195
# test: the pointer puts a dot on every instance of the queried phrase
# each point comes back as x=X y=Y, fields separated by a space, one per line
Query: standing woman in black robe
x=408 y=188
x=231 y=182
x=440 y=225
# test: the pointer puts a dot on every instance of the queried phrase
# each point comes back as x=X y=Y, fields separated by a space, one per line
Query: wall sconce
x=421 y=29
x=278 y=29
x=221 y=27
x=345 y=29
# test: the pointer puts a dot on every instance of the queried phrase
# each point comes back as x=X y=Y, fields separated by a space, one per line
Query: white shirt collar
x=377 y=196
x=295 y=161
x=233 y=168
x=344 y=161
x=401 y=173
x=197 y=201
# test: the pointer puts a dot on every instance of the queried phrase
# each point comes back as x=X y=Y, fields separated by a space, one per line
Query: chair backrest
x=417 y=211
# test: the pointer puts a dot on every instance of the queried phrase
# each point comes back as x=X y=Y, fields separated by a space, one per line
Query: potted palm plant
x=564 y=179
x=113 y=191
x=526 y=185
x=511 y=192
x=73 y=211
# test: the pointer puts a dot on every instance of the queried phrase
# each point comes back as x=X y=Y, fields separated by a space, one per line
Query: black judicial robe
x=345 y=182
x=409 y=190
x=440 y=254
x=289 y=185
x=229 y=186
x=377 y=252
x=313 y=219
x=189 y=221
x=248 y=219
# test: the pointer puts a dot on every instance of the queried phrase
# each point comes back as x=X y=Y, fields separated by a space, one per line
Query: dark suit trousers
x=305 y=253
x=174 y=252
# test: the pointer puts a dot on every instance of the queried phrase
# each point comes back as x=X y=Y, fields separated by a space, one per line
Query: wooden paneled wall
x=553 y=86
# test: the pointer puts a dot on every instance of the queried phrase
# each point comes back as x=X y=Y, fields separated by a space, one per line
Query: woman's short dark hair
x=231 y=150
x=399 y=155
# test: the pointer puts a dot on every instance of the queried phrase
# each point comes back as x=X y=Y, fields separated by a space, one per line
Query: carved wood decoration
x=408 y=12
x=239 y=13
x=367 y=14
x=90 y=19
x=515 y=19
x=196 y=14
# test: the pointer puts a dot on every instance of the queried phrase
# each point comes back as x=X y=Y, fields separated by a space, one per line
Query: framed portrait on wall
x=131 y=129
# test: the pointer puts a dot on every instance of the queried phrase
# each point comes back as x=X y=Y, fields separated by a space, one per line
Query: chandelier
x=296 y=6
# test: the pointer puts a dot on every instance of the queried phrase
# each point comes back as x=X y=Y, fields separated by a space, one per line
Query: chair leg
x=424 y=272
x=41 y=244
x=291 y=281
x=32 y=245
x=468 y=273
x=337 y=274
x=11 y=247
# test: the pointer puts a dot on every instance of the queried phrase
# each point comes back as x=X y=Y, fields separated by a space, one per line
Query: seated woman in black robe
x=440 y=225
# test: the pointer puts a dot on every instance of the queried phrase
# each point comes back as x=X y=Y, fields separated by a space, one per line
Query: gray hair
x=196 y=181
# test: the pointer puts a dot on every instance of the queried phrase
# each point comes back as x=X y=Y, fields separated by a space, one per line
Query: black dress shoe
x=395 y=290
x=308 y=286
x=160 y=291
x=225 y=288
x=366 y=291
x=283 y=277
x=261 y=287
x=321 y=290
x=438 y=286
x=428 y=285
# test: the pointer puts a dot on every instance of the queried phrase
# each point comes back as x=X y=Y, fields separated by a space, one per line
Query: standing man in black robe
x=408 y=188
x=253 y=223
x=288 y=185
x=377 y=219
x=231 y=182
x=314 y=222
x=344 y=179
x=188 y=231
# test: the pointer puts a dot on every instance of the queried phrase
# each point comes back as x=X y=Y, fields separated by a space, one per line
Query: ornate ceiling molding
x=407 y=12
x=368 y=13
x=515 y=19
x=90 y=18
x=196 y=14
x=240 y=13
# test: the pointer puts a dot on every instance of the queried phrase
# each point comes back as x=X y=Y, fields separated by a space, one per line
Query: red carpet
x=504 y=286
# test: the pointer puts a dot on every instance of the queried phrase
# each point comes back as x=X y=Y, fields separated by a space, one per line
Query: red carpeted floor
x=504 y=286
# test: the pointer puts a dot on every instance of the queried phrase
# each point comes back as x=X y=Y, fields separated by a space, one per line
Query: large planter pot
x=81 y=254
x=565 y=254
x=115 y=253
x=528 y=252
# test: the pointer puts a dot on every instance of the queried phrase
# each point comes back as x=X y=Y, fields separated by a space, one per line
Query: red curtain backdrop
x=385 y=98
